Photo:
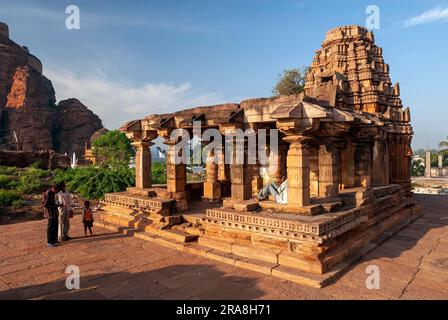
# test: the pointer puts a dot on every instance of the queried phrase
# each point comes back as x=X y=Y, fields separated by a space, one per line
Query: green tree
x=417 y=168
x=113 y=149
x=93 y=182
x=291 y=82
x=444 y=151
x=444 y=144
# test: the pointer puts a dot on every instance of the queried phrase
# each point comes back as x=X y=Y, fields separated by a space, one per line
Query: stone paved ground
x=413 y=265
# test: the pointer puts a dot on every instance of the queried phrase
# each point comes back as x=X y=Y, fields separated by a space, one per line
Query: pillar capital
x=142 y=144
x=297 y=139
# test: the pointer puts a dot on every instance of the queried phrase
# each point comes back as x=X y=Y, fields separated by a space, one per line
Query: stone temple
x=344 y=146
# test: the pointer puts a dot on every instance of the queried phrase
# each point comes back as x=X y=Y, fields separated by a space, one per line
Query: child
x=87 y=218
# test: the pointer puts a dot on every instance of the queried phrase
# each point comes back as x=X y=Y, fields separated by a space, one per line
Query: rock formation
x=30 y=119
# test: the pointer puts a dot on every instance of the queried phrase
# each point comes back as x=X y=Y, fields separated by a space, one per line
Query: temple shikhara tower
x=344 y=147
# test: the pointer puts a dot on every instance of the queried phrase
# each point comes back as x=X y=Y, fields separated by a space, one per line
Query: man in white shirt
x=65 y=207
x=280 y=193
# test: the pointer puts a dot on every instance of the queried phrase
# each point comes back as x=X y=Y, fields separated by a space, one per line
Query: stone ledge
x=177 y=235
x=215 y=243
x=297 y=276
x=194 y=249
x=113 y=227
x=256 y=265
x=252 y=252
x=222 y=257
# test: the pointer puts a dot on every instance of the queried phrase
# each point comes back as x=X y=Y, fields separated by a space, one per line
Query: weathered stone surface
x=29 y=111
x=30 y=119
x=74 y=126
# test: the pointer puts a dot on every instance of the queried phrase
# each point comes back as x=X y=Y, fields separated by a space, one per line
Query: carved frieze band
x=302 y=230
x=125 y=200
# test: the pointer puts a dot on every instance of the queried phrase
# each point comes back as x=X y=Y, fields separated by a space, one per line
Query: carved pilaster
x=176 y=174
x=142 y=164
x=329 y=159
x=298 y=167
x=348 y=166
x=380 y=165
x=314 y=171
x=363 y=165
x=212 y=186
x=240 y=173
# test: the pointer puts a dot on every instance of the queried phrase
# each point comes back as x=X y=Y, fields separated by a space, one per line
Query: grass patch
x=33 y=180
x=8 y=197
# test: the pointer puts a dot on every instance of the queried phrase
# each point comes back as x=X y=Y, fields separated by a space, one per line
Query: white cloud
x=434 y=15
x=116 y=102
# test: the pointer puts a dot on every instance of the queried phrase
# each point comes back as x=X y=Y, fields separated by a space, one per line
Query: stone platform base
x=263 y=260
x=310 y=250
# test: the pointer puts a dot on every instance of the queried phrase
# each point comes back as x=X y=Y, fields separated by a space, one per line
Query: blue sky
x=133 y=58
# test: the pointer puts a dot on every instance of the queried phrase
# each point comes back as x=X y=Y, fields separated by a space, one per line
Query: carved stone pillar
x=142 y=164
x=379 y=165
x=348 y=166
x=386 y=162
x=440 y=164
x=363 y=165
x=176 y=174
x=275 y=166
x=328 y=171
x=428 y=165
x=257 y=180
x=393 y=159
x=223 y=168
x=240 y=173
x=298 y=167
x=212 y=186
x=314 y=171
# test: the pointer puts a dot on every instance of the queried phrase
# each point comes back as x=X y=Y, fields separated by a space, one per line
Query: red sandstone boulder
x=74 y=127
x=29 y=118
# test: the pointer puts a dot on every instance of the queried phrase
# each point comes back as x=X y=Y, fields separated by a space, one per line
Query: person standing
x=87 y=218
x=51 y=213
x=64 y=209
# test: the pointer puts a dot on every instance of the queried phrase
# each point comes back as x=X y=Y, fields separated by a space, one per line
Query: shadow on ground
x=404 y=244
x=173 y=282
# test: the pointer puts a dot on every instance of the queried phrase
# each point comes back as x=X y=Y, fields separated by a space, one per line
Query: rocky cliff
x=30 y=119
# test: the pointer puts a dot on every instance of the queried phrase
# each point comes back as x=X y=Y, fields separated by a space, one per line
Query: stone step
x=177 y=235
x=300 y=277
x=332 y=206
x=194 y=248
x=253 y=260
x=215 y=243
x=149 y=236
x=114 y=227
x=274 y=269
x=195 y=230
x=268 y=255
x=193 y=218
